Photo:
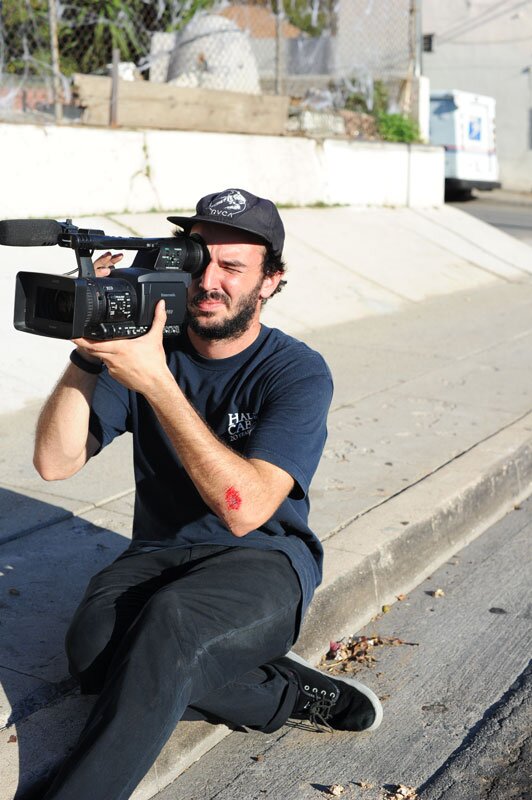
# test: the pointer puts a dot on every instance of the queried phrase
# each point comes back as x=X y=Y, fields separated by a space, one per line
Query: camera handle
x=84 y=261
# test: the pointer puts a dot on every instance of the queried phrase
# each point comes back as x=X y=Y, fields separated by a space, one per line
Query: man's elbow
x=49 y=471
x=239 y=530
x=241 y=525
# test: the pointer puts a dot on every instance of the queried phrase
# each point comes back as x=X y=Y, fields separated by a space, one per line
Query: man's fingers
x=159 y=317
x=105 y=262
x=110 y=347
x=98 y=348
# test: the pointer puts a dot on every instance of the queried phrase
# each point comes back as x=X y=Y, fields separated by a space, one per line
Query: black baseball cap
x=239 y=209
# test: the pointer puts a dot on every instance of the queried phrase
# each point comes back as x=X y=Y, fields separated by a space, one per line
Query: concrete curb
x=444 y=512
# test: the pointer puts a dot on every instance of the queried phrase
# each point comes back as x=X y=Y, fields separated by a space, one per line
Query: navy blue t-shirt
x=270 y=402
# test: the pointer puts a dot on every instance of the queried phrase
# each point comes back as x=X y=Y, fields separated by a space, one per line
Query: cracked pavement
x=494 y=761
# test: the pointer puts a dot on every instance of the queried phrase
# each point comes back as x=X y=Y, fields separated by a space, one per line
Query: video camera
x=120 y=305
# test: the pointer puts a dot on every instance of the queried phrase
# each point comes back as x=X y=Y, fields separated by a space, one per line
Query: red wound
x=233 y=500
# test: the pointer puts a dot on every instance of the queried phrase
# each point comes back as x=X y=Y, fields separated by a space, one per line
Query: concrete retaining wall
x=65 y=171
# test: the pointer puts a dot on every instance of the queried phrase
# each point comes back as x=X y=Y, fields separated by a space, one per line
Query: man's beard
x=229 y=328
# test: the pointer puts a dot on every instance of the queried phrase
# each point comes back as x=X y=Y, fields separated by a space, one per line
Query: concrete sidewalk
x=430 y=440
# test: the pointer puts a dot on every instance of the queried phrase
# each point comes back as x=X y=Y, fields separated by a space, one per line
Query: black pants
x=164 y=632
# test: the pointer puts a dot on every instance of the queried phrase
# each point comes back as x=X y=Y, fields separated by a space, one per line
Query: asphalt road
x=509 y=216
x=456 y=697
x=498 y=753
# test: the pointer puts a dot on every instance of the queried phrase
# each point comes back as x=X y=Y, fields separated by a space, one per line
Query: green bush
x=397 y=128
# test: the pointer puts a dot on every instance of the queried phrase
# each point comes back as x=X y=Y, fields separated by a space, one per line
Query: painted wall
x=50 y=171
x=486 y=47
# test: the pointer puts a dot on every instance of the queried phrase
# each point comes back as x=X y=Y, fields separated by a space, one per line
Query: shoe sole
x=372 y=697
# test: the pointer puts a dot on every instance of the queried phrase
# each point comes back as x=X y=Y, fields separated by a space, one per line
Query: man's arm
x=63 y=443
x=244 y=493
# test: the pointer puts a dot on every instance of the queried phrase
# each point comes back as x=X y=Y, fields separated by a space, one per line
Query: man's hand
x=138 y=364
x=105 y=262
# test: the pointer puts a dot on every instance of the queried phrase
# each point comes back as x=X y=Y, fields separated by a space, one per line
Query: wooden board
x=161 y=105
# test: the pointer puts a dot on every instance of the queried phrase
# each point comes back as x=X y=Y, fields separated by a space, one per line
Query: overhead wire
x=458 y=26
x=470 y=42
x=483 y=18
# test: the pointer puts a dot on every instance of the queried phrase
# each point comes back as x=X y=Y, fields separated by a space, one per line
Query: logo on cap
x=228 y=205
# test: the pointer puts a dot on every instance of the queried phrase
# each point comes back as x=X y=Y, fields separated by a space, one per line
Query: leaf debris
x=401 y=792
x=349 y=655
x=438 y=593
x=336 y=789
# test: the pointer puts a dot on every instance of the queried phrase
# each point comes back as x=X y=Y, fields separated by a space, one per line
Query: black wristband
x=86 y=366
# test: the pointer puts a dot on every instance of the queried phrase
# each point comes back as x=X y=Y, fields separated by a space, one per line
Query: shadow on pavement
x=42 y=578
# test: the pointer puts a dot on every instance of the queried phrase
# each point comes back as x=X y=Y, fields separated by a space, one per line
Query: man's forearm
x=244 y=493
x=61 y=439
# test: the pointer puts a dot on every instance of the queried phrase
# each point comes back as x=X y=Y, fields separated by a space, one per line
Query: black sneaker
x=342 y=704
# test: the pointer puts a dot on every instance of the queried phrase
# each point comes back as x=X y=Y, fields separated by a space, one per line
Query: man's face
x=226 y=298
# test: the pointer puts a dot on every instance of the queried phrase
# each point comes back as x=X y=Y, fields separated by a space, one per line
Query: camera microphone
x=183 y=252
x=29 y=232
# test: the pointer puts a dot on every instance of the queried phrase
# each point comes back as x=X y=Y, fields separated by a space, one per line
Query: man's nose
x=210 y=277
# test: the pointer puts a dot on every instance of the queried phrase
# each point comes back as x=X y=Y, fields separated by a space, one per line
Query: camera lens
x=64 y=304
x=54 y=304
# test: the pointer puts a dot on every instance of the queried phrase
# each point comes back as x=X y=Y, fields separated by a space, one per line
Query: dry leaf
x=12 y=739
x=385 y=609
x=364 y=784
x=336 y=789
x=401 y=792
x=348 y=655
x=440 y=707
x=438 y=593
x=402 y=597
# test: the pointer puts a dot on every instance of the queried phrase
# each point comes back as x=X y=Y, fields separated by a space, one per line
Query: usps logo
x=475 y=129
x=228 y=205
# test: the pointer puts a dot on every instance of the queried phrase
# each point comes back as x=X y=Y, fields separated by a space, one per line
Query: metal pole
x=279 y=47
x=412 y=58
x=56 y=70
x=419 y=40
x=113 y=109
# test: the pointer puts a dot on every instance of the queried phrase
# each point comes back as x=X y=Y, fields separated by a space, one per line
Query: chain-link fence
x=327 y=55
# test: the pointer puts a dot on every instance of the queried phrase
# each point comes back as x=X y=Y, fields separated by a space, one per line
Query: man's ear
x=270 y=284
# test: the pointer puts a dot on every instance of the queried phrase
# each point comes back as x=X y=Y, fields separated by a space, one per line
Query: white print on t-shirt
x=241 y=423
